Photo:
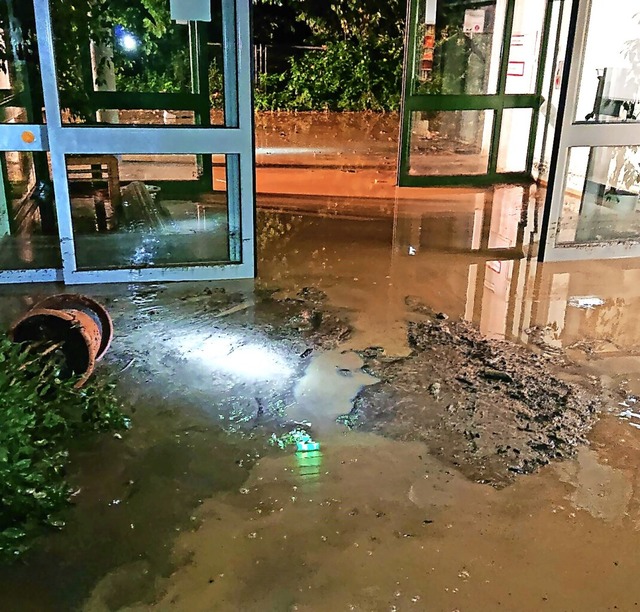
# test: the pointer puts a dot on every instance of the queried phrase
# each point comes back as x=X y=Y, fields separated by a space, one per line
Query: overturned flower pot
x=81 y=326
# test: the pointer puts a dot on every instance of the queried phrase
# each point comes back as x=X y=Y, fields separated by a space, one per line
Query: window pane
x=131 y=67
x=20 y=86
x=551 y=89
x=136 y=211
x=610 y=81
x=601 y=200
x=514 y=139
x=450 y=142
x=28 y=234
x=524 y=51
x=457 y=48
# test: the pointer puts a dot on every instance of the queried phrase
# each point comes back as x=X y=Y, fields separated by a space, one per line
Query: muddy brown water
x=368 y=523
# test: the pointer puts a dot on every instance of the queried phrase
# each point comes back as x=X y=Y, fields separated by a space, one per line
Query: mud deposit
x=493 y=409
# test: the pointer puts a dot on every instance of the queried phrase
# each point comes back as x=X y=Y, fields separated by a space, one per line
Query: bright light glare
x=231 y=355
x=129 y=42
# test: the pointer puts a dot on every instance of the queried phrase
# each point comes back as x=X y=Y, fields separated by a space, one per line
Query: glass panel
x=514 y=139
x=457 y=47
x=450 y=142
x=524 y=51
x=135 y=211
x=601 y=200
x=20 y=86
x=28 y=234
x=136 y=65
x=610 y=82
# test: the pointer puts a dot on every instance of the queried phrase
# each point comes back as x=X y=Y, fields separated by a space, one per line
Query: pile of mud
x=492 y=409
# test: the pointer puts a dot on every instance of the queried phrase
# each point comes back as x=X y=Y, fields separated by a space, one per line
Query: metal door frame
x=571 y=133
x=235 y=139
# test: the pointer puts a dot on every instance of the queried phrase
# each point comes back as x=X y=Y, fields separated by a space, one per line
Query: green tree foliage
x=41 y=412
x=343 y=77
x=360 y=67
x=160 y=63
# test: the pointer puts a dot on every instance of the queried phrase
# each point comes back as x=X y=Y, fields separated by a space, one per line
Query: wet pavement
x=194 y=509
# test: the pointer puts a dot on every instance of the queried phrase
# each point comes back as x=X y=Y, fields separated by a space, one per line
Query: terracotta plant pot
x=81 y=325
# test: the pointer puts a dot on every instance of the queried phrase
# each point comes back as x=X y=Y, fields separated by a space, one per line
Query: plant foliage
x=359 y=66
x=41 y=412
x=344 y=76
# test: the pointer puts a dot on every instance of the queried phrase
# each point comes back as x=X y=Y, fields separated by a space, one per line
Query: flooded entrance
x=596 y=191
x=473 y=89
x=406 y=410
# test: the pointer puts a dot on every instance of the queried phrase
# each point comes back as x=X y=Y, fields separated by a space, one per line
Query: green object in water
x=309 y=465
x=299 y=438
x=308 y=446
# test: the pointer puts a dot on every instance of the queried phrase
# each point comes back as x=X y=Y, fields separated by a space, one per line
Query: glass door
x=149 y=133
x=472 y=89
x=594 y=199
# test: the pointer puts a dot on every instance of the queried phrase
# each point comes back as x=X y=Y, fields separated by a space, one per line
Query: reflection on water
x=471 y=255
x=364 y=522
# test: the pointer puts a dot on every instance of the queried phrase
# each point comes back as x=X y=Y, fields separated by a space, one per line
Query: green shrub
x=40 y=412
x=347 y=75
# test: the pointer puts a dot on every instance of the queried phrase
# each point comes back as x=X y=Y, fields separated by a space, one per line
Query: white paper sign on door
x=431 y=11
x=190 y=10
x=474 y=21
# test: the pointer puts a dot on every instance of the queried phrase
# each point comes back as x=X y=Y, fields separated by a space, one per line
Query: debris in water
x=131 y=362
x=79 y=325
x=628 y=413
x=434 y=389
x=300 y=438
x=587 y=302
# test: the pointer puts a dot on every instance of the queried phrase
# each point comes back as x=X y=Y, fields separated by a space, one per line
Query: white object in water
x=587 y=302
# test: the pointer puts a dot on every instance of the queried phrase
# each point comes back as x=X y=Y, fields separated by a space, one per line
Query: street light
x=126 y=39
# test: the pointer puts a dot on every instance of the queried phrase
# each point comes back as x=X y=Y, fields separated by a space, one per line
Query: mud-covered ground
x=493 y=409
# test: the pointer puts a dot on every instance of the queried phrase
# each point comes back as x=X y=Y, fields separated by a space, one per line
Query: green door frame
x=443 y=102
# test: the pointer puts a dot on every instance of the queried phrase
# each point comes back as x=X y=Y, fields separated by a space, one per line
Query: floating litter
x=304 y=442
